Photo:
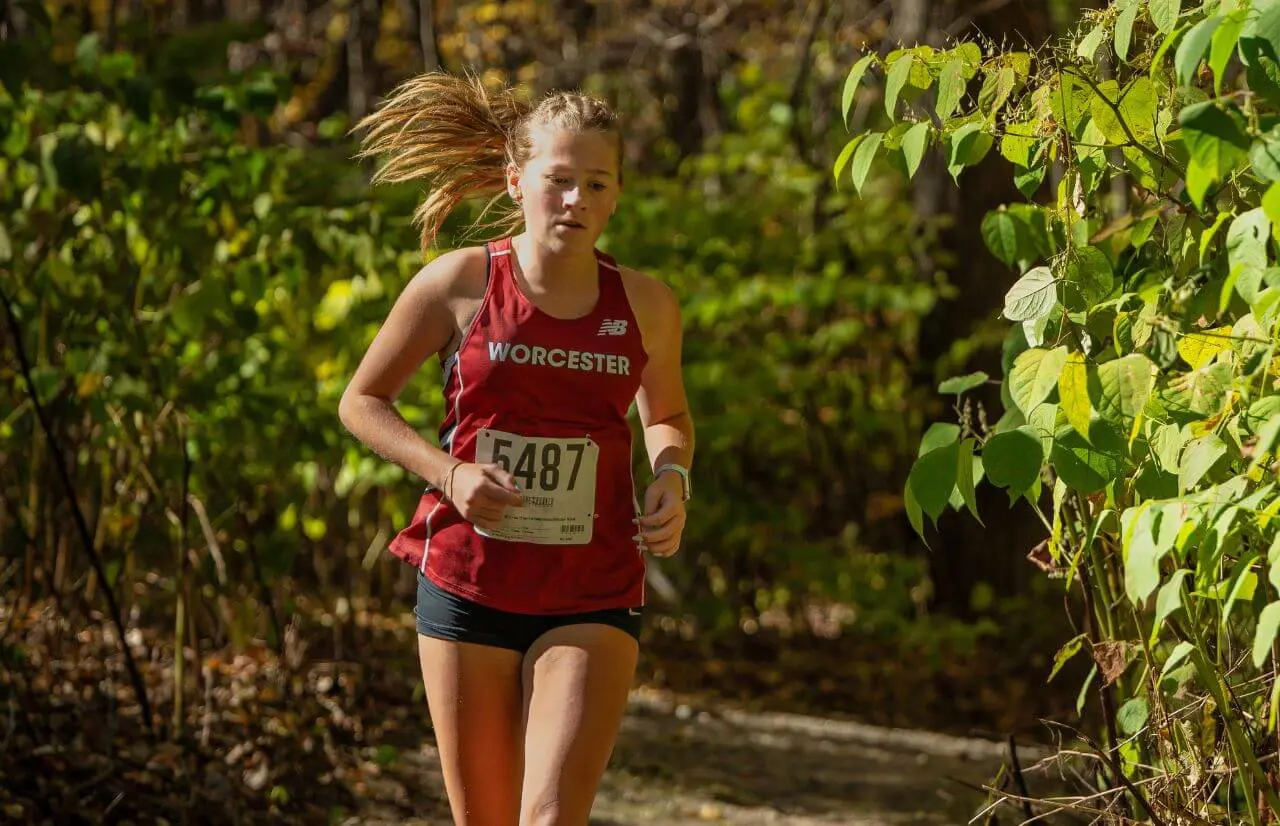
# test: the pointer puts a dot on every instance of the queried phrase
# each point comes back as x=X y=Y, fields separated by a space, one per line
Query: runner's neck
x=546 y=273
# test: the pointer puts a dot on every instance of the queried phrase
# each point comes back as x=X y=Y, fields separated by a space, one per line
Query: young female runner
x=529 y=538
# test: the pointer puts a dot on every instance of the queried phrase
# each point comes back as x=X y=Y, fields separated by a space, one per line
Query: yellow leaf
x=1198 y=349
x=1073 y=392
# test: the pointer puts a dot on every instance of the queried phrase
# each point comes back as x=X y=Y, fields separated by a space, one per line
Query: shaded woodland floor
x=296 y=735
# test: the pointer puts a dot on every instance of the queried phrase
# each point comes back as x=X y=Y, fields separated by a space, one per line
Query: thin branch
x=82 y=526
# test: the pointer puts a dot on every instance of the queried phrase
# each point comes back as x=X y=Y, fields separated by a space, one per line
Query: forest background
x=192 y=264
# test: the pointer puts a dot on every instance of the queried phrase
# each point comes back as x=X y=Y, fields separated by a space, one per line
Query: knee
x=547 y=809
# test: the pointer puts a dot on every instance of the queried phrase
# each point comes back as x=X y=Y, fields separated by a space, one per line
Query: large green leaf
x=967 y=146
x=1088 y=47
x=1268 y=433
x=862 y=158
x=1032 y=297
x=1166 y=444
x=1268 y=628
x=1264 y=155
x=1123 y=387
x=1012 y=460
x=1148 y=533
x=1089 y=278
x=1035 y=375
x=1131 y=717
x=939 y=434
x=1198 y=458
x=1216 y=143
x=1137 y=105
x=915 y=514
x=1179 y=653
x=933 y=477
x=851 y=84
x=914 y=143
x=1223 y=45
x=1019 y=143
x=1001 y=232
x=996 y=89
x=1124 y=27
x=1264 y=28
x=1035 y=225
x=842 y=160
x=899 y=74
x=961 y=384
x=951 y=87
x=1261 y=411
x=1168 y=600
x=1164 y=14
x=1260 y=52
x=1247 y=240
x=1204 y=391
x=1069 y=101
x=1192 y=47
x=1043 y=422
x=1085 y=467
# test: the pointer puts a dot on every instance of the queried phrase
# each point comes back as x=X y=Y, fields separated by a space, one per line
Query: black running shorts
x=447 y=616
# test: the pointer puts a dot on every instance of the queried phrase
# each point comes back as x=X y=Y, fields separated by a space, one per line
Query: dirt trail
x=674 y=766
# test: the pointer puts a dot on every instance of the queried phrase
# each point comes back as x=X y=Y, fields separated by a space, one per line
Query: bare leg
x=576 y=680
x=473 y=692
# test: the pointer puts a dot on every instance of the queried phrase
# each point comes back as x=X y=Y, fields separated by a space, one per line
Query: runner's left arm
x=664 y=414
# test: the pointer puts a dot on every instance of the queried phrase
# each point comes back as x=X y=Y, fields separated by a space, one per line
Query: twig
x=209 y=537
x=82 y=527
x=1016 y=768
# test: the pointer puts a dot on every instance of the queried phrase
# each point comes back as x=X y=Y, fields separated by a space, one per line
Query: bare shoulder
x=435 y=303
x=457 y=275
x=654 y=303
x=656 y=309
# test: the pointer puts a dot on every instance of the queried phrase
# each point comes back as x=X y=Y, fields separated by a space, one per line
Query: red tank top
x=547 y=398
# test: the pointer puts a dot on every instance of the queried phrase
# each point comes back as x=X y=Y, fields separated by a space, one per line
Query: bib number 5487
x=558 y=477
x=541 y=467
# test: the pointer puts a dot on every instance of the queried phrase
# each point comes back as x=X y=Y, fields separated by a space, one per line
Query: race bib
x=558 y=479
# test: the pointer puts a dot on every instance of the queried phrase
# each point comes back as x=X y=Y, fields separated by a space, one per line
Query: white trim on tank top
x=456 y=358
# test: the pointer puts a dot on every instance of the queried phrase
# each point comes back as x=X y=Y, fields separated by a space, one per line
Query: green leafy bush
x=1140 y=380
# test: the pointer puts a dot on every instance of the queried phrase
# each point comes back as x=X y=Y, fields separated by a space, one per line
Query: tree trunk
x=362 y=32
x=909 y=19
x=685 y=125
x=428 y=41
x=965 y=552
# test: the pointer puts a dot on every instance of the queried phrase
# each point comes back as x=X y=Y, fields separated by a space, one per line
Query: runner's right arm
x=422 y=323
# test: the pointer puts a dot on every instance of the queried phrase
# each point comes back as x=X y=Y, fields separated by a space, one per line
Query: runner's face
x=569 y=187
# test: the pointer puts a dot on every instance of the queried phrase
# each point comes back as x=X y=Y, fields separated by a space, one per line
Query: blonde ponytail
x=452 y=133
x=459 y=137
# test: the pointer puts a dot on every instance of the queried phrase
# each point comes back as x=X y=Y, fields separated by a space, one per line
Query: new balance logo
x=613 y=327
